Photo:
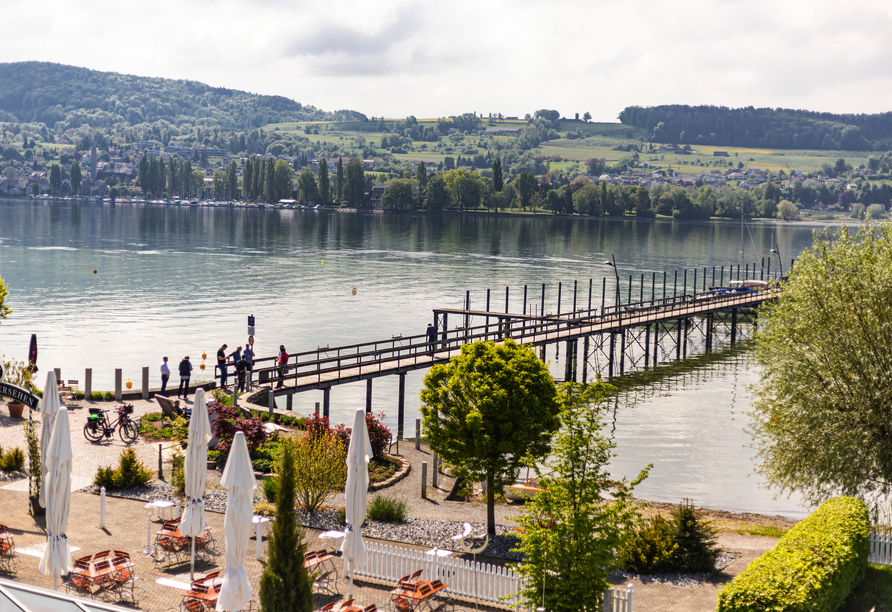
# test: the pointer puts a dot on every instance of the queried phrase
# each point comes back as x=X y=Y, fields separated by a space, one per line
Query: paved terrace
x=126 y=525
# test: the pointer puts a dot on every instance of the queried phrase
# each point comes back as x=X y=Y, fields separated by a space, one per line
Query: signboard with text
x=18 y=394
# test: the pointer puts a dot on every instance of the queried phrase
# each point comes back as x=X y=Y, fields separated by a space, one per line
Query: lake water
x=181 y=281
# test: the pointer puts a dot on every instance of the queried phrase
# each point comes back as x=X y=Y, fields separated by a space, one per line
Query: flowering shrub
x=316 y=426
x=229 y=421
x=379 y=434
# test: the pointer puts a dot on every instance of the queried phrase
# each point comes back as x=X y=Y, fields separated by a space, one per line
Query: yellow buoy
x=323 y=261
x=94 y=271
x=129 y=385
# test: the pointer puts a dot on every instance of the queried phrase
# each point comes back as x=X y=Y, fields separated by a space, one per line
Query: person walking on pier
x=282 y=360
x=221 y=363
x=431 y=334
x=241 y=371
x=165 y=376
x=185 y=374
x=248 y=356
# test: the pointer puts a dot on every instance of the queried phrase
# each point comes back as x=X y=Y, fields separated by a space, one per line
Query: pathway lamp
x=612 y=264
x=780 y=264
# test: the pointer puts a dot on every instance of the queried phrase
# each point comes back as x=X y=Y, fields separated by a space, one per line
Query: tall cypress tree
x=248 y=180
x=339 y=183
x=285 y=585
x=497 y=182
x=324 y=183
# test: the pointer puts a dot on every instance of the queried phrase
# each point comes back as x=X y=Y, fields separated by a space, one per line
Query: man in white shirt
x=165 y=376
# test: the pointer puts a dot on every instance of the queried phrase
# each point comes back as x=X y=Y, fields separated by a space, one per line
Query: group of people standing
x=243 y=360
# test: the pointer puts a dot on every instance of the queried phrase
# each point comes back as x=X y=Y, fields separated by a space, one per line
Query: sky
x=395 y=58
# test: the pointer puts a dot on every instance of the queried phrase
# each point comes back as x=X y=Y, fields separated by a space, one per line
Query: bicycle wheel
x=129 y=432
x=94 y=431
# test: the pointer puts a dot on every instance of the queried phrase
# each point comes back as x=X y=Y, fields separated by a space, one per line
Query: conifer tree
x=339 y=184
x=285 y=585
x=497 y=182
x=324 y=183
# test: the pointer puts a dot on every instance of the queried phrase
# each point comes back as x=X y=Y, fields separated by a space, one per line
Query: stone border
x=401 y=472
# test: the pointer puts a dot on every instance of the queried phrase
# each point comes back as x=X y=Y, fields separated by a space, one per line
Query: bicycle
x=98 y=425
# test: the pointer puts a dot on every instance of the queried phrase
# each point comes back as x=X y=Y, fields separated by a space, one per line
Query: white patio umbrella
x=358 y=455
x=192 y=523
x=238 y=478
x=48 y=407
x=56 y=559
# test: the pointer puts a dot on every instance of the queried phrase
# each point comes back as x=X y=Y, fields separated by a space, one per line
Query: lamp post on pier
x=780 y=264
x=612 y=264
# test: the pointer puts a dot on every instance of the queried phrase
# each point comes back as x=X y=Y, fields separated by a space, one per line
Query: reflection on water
x=181 y=281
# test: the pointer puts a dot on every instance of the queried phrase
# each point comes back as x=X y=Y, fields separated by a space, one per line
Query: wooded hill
x=41 y=92
x=761 y=127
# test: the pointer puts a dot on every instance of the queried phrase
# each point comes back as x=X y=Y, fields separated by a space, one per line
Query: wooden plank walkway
x=327 y=367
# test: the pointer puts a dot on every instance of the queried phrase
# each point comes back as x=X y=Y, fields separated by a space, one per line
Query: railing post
x=145 y=382
x=368 y=396
x=401 y=406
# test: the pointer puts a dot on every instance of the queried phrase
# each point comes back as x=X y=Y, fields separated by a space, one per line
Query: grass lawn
x=874 y=594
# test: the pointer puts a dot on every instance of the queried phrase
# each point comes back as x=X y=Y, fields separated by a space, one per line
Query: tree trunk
x=490 y=504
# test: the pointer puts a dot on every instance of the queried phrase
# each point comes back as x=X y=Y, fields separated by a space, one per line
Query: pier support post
x=585 y=348
x=368 y=396
x=445 y=329
x=58 y=372
x=610 y=358
x=271 y=400
x=401 y=407
x=542 y=353
x=568 y=365
x=646 y=346
x=289 y=401
x=678 y=340
x=622 y=352
x=684 y=344
x=708 y=332
x=733 y=326
x=88 y=384
x=657 y=339
x=118 y=377
x=326 y=401
x=145 y=382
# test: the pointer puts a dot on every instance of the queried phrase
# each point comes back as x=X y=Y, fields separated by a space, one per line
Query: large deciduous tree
x=306 y=181
x=437 y=196
x=526 y=185
x=354 y=184
x=399 y=195
x=465 y=187
x=822 y=419
x=487 y=410
x=4 y=293
x=590 y=510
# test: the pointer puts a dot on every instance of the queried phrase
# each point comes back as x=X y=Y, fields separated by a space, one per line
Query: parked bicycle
x=98 y=426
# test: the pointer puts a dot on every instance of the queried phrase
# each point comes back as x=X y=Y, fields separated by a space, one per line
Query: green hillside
x=67 y=97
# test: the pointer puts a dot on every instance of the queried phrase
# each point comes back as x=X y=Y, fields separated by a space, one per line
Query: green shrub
x=342 y=514
x=270 y=488
x=386 y=510
x=649 y=549
x=697 y=550
x=178 y=473
x=131 y=472
x=12 y=461
x=215 y=455
x=813 y=567
x=264 y=509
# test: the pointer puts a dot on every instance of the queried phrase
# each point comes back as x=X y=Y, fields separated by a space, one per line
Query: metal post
x=160 y=463
x=58 y=372
x=445 y=329
x=646 y=346
x=559 y=299
x=653 y=287
x=684 y=345
x=610 y=360
x=622 y=352
x=574 y=295
x=487 y=301
x=733 y=325
x=317 y=410
x=118 y=377
x=102 y=508
x=603 y=293
x=368 y=396
x=708 y=332
x=289 y=401
x=713 y=276
x=585 y=347
x=467 y=319
x=424 y=480
x=506 y=300
x=695 y=281
x=675 y=286
x=678 y=340
x=524 y=299
x=271 y=399
x=417 y=434
x=641 y=289
x=88 y=384
x=664 y=284
x=629 y=301
x=434 y=471
x=326 y=401
x=590 y=296
x=657 y=339
x=401 y=406
x=722 y=276
x=145 y=382
x=568 y=364
x=542 y=313
x=684 y=290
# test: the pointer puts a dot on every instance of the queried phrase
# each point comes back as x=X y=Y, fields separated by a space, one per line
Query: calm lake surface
x=181 y=281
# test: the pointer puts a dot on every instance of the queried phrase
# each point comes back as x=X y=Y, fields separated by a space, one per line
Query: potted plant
x=35 y=469
x=20 y=375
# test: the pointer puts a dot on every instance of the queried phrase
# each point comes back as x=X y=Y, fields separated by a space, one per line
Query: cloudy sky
x=401 y=57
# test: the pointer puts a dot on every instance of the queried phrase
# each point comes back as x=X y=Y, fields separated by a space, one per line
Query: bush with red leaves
x=229 y=421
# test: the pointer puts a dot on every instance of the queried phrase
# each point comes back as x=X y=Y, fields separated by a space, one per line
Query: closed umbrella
x=358 y=456
x=238 y=478
x=48 y=406
x=192 y=524
x=56 y=559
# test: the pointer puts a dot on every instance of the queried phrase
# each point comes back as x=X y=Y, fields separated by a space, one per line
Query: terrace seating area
x=108 y=574
x=172 y=547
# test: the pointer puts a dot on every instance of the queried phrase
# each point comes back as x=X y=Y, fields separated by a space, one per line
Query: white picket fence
x=880 y=549
x=481 y=581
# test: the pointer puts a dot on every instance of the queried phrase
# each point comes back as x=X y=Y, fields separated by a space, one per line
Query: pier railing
x=329 y=364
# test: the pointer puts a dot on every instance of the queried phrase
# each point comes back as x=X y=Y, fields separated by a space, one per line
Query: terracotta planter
x=16 y=409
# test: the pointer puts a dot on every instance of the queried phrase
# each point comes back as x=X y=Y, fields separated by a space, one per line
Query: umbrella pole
x=55 y=582
x=350 y=596
x=192 y=565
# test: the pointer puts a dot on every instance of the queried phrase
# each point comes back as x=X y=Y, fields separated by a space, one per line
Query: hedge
x=813 y=567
